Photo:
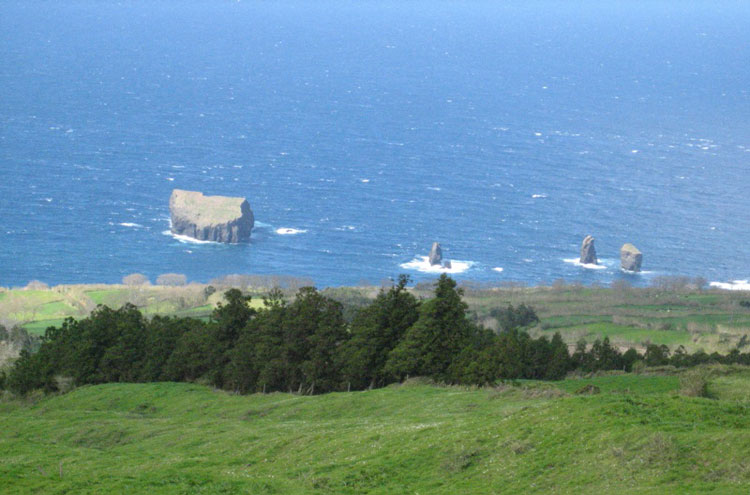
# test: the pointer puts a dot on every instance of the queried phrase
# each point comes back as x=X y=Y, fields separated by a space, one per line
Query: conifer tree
x=375 y=331
x=438 y=336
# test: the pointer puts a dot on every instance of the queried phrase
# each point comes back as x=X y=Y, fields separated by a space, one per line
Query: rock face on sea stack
x=630 y=258
x=436 y=254
x=210 y=218
x=588 y=251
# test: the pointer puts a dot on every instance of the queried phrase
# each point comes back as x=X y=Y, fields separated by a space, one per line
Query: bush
x=36 y=285
x=694 y=383
x=64 y=384
x=588 y=389
x=135 y=279
x=171 y=279
x=208 y=291
x=638 y=367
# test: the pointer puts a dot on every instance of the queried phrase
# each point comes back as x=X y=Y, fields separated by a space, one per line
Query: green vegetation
x=639 y=435
x=674 y=425
x=670 y=313
x=713 y=321
x=307 y=345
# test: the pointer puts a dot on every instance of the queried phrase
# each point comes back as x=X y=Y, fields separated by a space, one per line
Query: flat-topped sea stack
x=210 y=218
x=630 y=258
x=588 y=251
x=436 y=254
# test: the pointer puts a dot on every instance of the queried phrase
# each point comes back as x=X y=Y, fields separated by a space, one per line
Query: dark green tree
x=656 y=355
x=560 y=362
x=581 y=358
x=320 y=322
x=375 y=331
x=438 y=336
x=512 y=318
x=257 y=361
x=227 y=322
x=192 y=357
x=629 y=358
x=162 y=336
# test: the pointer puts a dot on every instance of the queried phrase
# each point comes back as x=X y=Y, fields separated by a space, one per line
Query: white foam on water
x=187 y=239
x=364 y=181
x=498 y=269
x=733 y=285
x=261 y=225
x=536 y=196
x=422 y=264
x=588 y=266
x=130 y=224
x=289 y=231
x=642 y=272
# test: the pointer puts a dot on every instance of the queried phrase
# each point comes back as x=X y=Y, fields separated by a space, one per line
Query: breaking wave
x=422 y=264
x=733 y=285
x=289 y=231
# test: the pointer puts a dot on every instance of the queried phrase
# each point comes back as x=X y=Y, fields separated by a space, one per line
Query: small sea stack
x=436 y=254
x=588 y=251
x=210 y=218
x=630 y=258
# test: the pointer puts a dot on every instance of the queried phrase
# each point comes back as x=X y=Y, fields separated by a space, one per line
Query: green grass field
x=638 y=436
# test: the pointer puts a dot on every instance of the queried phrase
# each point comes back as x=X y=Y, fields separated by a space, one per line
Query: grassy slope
x=638 y=436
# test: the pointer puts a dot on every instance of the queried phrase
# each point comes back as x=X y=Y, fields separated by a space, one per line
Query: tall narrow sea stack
x=436 y=254
x=588 y=251
x=210 y=218
x=630 y=258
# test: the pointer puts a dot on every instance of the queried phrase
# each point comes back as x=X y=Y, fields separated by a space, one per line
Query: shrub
x=694 y=383
x=36 y=285
x=639 y=367
x=135 y=279
x=588 y=389
x=63 y=384
x=171 y=279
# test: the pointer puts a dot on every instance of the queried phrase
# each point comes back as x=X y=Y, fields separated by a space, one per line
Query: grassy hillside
x=638 y=436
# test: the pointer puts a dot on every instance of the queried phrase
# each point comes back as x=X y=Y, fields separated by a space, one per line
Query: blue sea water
x=506 y=130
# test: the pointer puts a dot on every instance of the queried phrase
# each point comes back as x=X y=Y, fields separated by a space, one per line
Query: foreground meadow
x=639 y=435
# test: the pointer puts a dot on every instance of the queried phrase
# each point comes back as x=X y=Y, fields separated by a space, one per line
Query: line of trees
x=307 y=346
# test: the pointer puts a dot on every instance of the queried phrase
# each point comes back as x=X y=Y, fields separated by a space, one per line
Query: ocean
x=361 y=132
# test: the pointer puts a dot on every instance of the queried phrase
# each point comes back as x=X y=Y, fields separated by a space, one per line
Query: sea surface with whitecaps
x=361 y=132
